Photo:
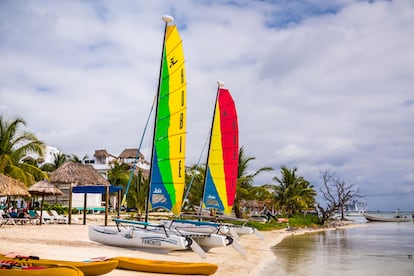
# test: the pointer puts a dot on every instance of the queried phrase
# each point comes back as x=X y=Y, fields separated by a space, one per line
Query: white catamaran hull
x=242 y=230
x=206 y=241
x=194 y=226
x=136 y=237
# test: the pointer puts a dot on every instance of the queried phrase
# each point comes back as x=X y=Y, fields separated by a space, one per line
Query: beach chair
x=34 y=218
x=59 y=218
x=5 y=218
x=46 y=218
x=21 y=218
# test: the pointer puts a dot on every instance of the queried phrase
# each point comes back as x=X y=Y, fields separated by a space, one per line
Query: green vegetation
x=291 y=195
x=15 y=145
x=245 y=189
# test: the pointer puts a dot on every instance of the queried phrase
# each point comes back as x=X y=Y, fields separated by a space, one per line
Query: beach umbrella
x=72 y=174
x=77 y=174
x=12 y=187
x=43 y=188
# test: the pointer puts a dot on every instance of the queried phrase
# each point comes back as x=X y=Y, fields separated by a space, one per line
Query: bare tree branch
x=336 y=193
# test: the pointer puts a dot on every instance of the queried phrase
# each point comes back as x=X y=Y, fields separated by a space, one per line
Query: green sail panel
x=168 y=160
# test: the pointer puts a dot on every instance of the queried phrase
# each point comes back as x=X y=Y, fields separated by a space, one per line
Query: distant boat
x=358 y=213
x=355 y=209
x=380 y=218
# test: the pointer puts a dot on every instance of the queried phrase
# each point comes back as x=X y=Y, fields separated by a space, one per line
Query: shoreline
x=71 y=242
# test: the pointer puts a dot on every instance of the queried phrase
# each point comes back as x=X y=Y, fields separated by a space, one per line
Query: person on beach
x=269 y=215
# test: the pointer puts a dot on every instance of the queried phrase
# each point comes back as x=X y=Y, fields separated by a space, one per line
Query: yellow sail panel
x=168 y=177
x=222 y=163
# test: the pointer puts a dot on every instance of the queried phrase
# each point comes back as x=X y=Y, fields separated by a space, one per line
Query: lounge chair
x=46 y=218
x=34 y=218
x=59 y=218
x=5 y=218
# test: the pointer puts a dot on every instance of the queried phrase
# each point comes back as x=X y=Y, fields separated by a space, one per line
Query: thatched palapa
x=44 y=188
x=77 y=174
x=12 y=187
x=72 y=174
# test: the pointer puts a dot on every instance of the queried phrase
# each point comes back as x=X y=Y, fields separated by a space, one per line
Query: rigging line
x=138 y=151
x=209 y=146
x=157 y=99
x=198 y=164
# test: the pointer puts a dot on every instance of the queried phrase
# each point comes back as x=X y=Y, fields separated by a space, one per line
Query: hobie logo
x=157 y=191
x=211 y=197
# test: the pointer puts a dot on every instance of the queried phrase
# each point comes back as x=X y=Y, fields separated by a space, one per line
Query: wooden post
x=106 y=205
x=70 y=204
x=119 y=203
x=85 y=199
x=41 y=208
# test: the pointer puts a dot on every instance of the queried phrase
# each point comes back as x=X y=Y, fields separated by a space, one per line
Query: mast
x=167 y=19
x=219 y=85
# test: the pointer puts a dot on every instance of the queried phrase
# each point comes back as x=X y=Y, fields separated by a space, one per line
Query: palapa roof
x=102 y=153
x=130 y=153
x=44 y=187
x=12 y=187
x=77 y=174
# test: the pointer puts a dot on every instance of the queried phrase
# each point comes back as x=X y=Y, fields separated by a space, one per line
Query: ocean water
x=374 y=248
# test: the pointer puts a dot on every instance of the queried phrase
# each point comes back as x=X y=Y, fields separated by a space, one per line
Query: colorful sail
x=167 y=178
x=222 y=164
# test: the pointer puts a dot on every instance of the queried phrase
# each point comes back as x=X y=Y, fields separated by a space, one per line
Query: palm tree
x=77 y=159
x=59 y=158
x=293 y=194
x=14 y=146
x=245 y=181
x=194 y=175
x=245 y=189
x=138 y=189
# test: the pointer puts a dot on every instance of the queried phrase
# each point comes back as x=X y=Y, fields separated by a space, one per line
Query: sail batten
x=222 y=162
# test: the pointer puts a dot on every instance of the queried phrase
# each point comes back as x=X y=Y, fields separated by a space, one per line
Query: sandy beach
x=70 y=242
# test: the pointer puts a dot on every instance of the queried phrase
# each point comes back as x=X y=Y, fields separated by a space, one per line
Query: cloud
x=318 y=85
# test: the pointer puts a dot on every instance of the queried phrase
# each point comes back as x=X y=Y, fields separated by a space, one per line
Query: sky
x=319 y=85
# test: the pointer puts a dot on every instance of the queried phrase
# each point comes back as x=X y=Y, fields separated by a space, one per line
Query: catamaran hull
x=243 y=230
x=205 y=236
x=136 y=238
x=213 y=241
x=198 y=227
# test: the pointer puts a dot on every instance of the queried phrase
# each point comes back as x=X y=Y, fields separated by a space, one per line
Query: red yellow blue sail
x=167 y=178
x=222 y=163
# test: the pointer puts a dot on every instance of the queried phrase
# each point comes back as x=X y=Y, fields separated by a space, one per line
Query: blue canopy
x=101 y=189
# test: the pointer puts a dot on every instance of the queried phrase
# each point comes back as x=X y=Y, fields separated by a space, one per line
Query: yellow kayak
x=23 y=268
x=89 y=268
x=168 y=267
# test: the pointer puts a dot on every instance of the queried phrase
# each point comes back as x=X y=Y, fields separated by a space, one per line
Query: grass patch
x=296 y=221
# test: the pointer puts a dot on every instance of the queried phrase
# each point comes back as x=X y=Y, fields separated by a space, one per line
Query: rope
x=137 y=156
x=198 y=164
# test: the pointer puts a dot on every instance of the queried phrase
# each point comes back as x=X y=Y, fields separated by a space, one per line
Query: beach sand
x=70 y=242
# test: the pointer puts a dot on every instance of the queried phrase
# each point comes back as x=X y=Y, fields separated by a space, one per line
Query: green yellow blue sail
x=167 y=176
x=223 y=156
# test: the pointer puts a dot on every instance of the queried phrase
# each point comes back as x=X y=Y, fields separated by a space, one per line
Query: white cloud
x=317 y=85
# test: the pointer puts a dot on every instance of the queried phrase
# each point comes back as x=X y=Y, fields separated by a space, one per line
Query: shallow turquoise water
x=373 y=249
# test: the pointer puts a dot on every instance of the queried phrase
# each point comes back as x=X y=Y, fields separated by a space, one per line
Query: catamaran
x=167 y=173
x=219 y=186
x=220 y=181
